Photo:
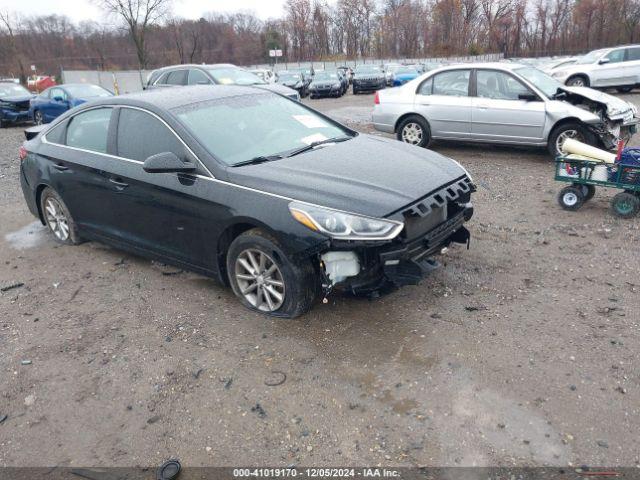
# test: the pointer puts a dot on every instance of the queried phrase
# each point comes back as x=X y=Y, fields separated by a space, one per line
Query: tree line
x=150 y=33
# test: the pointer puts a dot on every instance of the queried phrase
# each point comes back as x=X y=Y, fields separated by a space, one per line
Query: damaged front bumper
x=610 y=133
x=395 y=264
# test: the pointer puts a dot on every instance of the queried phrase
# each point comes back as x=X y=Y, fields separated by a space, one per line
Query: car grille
x=15 y=106
x=440 y=205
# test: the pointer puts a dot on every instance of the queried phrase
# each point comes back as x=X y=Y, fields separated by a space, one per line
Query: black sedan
x=245 y=185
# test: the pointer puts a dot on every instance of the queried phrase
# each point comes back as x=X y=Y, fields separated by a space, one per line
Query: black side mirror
x=167 y=162
x=528 y=97
x=604 y=61
x=58 y=98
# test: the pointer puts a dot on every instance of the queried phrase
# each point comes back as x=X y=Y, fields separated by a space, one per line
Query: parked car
x=368 y=77
x=264 y=193
x=216 y=74
x=617 y=67
x=389 y=70
x=14 y=103
x=403 y=75
x=502 y=103
x=295 y=80
x=38 y=83
x=347 y=72
x=266 y=75
x=326 y=84
x=551 y=65
x=54 y=101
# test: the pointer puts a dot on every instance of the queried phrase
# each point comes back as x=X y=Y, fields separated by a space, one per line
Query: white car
x=505 y=103
x=267 y=75
x=617 y=67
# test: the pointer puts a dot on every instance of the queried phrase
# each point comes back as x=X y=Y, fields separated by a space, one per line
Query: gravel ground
x=521 y=351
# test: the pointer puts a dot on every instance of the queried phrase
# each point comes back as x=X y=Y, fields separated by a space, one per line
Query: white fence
x=129 y=81
x=122 y=81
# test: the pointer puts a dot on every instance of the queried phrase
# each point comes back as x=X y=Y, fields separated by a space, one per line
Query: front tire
x=38 y=119
x=578 y=81
x=414 y=130
x=569 y=130
x=264 y=278
x=58 y=219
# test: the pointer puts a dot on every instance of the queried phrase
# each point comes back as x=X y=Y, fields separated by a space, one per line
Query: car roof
x=169 y=98
x=184 y=66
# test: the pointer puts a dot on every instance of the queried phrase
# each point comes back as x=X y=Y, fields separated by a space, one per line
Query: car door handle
x=60 y=167
x=120 y=185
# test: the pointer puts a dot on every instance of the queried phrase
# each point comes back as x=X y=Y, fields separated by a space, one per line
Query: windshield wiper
x=257 y=160
x=313 y=145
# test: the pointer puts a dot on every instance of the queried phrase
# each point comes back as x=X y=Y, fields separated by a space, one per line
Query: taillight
x=376 y=99
x=22 y=153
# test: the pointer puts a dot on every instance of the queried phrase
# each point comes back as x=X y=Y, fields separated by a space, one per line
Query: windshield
x=288 y=77
x=274 y=124
x=591 y=57
x=543 y=82
x=235 y=76
x=324 y=76
x=12 y=89
x=368 y=69
x=87 y=91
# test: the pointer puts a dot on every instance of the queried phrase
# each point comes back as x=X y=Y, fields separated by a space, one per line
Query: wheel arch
x=563 y=121
x=579 y=74
x=39 y=189
x=229 y=234
x=407 y=115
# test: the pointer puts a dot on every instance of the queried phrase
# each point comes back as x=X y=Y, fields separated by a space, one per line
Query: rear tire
x=414 y=130
x=578 y=81
x=571 y=198
x=625 y=205
x=264 y=278
x=588 y=191
x=57 y=217
x=569 y=130
x=624 y=89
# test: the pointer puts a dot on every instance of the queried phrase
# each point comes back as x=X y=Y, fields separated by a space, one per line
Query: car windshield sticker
x=310 y=121
x=316 y=137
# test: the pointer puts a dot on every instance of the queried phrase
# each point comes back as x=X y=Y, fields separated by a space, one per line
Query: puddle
x=30 y=236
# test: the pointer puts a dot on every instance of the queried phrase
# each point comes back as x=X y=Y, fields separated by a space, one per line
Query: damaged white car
x=502 y=103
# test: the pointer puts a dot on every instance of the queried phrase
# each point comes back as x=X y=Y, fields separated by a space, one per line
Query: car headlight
x=557 y=74
x=342 y=225
x=336 y=85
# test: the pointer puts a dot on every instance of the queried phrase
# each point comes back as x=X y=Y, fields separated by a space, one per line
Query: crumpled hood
x=615 y=105
x=368 y=175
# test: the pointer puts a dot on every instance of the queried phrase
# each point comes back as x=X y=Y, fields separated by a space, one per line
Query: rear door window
x=633 y=54
x=198 y=77
x=89 y=130
x=135 y=124
x=177 y=77
x=453 y=83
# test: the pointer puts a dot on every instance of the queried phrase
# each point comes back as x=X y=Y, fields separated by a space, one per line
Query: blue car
x=54 y=101
x=403 y=75
x=14 y=103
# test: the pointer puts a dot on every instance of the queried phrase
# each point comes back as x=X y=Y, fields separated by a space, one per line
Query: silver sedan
x=502 y=103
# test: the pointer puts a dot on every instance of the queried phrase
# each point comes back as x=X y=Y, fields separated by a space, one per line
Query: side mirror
x=604 y=61
x=58 y=98
x=528 y=97
x=167 y=162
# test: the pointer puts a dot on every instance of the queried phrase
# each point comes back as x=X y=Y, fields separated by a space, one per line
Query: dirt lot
x=521 y=351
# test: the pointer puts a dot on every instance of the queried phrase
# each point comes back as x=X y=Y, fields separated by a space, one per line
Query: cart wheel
x=571 y=198
x=588 y=191
x=625 y=205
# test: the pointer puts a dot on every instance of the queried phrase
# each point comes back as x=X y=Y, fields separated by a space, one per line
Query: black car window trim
x=110 y=155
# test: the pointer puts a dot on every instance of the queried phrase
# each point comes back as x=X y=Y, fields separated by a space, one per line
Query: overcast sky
x=79 y=10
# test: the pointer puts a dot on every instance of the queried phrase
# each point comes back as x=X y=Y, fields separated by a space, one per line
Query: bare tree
x=139 y=16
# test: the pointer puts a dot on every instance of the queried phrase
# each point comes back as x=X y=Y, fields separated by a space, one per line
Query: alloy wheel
x=566 y=135
x=38 y=117
x=412 y=133
x=260 y=280
x=577 y=82
x=56 y=219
